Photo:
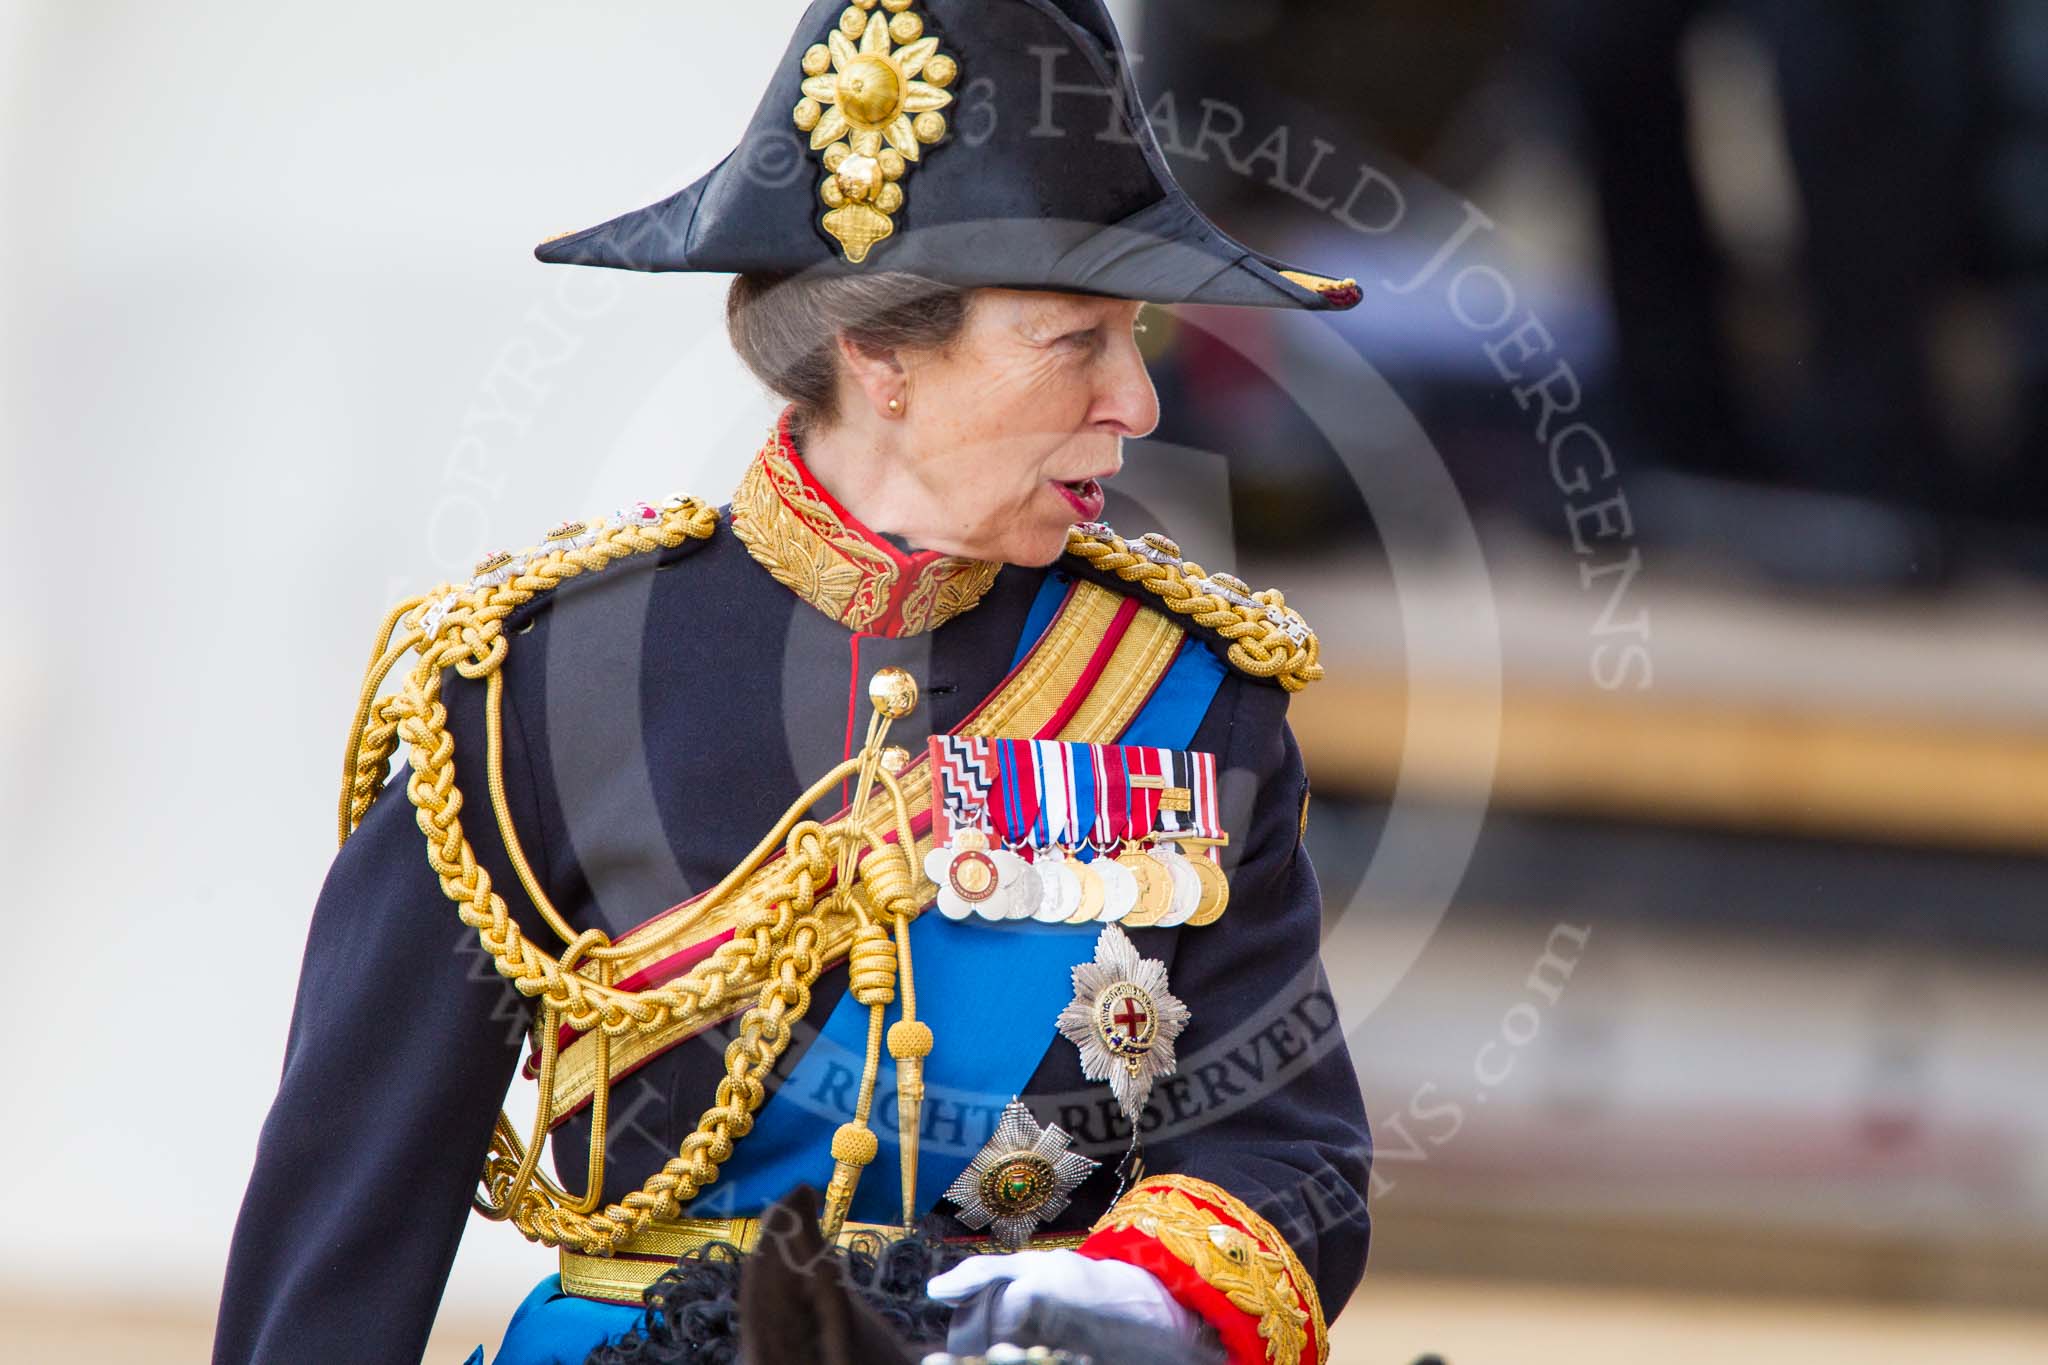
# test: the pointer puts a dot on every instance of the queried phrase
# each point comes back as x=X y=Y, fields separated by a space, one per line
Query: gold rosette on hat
x=872 y=92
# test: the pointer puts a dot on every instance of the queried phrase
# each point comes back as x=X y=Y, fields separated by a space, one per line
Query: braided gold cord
x=1259 y=644
x=871 y=966
x=463 y=629
x=372 y=736
x=469 y=637
x=763 y=1034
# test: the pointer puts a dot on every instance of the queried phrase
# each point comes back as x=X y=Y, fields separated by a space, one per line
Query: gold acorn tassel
x=871 y=960
x=853 y=1146
x=894 y=886
x=910 y=1042
x=871 y=964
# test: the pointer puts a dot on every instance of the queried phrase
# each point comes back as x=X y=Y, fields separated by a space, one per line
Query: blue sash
x=553 y=1328
x=989 y=991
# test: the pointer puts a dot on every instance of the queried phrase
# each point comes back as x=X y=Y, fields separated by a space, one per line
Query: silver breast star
x=1021 y=1177
x=1123 y=1019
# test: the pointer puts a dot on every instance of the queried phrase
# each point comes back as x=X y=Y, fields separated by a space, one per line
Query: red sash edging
x=1099 y=660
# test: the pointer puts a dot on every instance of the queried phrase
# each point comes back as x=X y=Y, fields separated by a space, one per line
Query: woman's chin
x=1035 y=548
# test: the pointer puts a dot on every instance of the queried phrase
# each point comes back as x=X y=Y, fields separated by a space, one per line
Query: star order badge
x=1021 y=1177
x=1123 y=1019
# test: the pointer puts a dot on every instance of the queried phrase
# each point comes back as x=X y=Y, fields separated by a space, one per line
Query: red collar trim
x=909 y=564
x=805 y=537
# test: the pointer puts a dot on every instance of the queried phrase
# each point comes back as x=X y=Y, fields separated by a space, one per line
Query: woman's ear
x=879 y=375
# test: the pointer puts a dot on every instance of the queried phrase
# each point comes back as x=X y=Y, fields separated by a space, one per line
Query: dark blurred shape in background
x=1792 y=256
x=1815 y=238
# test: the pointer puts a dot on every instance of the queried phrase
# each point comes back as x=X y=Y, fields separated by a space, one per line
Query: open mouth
x=1083 y=495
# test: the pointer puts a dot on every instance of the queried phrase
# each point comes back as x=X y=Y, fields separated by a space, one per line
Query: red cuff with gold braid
x=1221 y=1260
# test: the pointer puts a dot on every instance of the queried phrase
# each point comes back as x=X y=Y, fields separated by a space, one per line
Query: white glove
x=1011 y=1284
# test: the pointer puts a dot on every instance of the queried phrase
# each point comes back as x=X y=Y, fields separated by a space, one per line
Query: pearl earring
x=895 y=405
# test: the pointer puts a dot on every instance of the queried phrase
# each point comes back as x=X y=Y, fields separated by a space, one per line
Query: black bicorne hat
x=976 y=142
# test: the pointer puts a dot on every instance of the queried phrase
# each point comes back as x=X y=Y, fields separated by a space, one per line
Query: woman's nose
x=1128 y=397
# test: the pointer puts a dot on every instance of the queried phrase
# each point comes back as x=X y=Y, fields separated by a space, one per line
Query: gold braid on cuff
x=1250 y=1264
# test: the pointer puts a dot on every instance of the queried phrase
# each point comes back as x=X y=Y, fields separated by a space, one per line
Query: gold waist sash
x=640 y=1261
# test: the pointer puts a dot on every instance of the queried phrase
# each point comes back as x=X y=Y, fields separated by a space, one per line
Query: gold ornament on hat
x=872 y=90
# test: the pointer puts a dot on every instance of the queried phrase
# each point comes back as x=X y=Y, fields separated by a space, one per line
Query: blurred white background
x=276 y=353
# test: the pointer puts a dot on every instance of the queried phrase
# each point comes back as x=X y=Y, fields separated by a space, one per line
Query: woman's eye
x=1084 y=338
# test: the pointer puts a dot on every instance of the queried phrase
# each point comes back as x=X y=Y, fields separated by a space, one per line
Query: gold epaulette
x=572 y=548
x=1267 y=638
x=461 y=623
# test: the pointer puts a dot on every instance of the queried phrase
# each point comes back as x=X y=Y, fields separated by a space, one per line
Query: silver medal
x=1187 y=886
x=1119 y=888
x=1018 y=889
x=1062 y=888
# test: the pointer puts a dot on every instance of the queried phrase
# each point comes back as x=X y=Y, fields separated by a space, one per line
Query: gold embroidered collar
x=814 y=547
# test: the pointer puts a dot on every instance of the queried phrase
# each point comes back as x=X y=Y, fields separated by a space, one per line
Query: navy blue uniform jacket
x=659 y=718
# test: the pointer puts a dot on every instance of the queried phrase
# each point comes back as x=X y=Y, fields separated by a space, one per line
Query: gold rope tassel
x=871 y=976
x=893 y=881
x=883 y=872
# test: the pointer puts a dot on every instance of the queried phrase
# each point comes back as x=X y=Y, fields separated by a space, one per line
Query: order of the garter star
x=1123 y=1019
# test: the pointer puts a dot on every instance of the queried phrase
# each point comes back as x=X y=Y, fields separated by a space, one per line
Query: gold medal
x=1092 y=892
x=1155 y=886
x=964 y=872
x=1215 y=887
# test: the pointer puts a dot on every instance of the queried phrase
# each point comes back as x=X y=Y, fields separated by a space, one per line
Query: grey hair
x=783 y=328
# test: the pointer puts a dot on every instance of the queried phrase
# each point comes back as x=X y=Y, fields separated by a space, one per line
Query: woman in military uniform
x=896 y=828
